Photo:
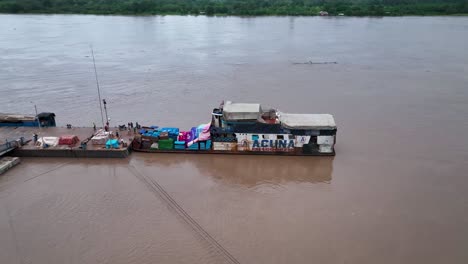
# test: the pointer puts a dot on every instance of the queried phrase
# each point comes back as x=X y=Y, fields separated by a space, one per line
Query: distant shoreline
x=228 y=15
x=241 y=8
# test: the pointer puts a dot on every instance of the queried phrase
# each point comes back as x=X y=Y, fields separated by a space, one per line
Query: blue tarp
x=112 y=143
x=170 y=130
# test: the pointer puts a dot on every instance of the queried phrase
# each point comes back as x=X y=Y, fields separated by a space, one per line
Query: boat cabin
x=248 y=127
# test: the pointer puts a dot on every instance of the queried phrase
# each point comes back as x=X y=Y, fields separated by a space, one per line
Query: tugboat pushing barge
x=246 y=128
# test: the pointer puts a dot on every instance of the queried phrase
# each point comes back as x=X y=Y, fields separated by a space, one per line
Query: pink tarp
x=203 y=135
x=185 y=136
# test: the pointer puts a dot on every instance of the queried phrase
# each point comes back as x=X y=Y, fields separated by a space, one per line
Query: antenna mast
x=97 y=84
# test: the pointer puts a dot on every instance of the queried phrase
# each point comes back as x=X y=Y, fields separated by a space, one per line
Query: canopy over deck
x=307 y=121
x=45 y=115
x=241 y=111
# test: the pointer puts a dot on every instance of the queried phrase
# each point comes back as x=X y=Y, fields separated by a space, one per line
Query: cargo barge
x=79 y=142
x=243 y=129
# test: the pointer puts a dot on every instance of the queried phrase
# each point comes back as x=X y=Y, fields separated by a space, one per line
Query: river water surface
x=396 y=192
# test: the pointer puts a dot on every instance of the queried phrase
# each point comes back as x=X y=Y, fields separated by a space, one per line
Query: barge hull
x=175 y=151
x=73 y=153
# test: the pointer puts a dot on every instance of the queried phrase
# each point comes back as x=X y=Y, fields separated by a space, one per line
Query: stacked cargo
x=146 y=144
x=154 y=146
x=68 y=140
x=163 y=135
x=166 y=144
x=180 y=145
x=194 y=133
x=185 y=136
x=201 y=145
x=170 y=138
x=207 y=144
x=100 y=137
x=172 y=132
x=194 y=146
x=151 y=131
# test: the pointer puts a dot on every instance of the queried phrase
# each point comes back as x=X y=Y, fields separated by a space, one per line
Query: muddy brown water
x=396 y=192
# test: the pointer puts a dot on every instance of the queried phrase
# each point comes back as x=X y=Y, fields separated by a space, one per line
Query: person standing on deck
x=94 y=126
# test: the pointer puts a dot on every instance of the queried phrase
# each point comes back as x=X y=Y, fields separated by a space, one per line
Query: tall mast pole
x=97 y=84
x=37 y=118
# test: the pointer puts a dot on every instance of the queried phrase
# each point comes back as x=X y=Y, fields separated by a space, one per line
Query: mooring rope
x=51 y=170
x=159 y=190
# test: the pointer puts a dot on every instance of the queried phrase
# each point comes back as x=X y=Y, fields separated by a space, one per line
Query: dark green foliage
x=239 y=7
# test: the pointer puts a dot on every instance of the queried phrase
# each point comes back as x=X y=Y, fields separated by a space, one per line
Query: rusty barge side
x=224 y=152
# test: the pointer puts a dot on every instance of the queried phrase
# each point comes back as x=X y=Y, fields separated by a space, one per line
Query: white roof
x=241 y=111
x=307 y=121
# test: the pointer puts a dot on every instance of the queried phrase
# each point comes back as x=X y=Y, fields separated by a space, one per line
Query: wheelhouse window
x=279 y=137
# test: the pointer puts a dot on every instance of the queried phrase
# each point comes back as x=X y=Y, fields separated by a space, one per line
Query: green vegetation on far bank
x=240 y=7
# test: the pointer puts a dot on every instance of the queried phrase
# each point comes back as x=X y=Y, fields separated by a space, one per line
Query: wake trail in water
x=157 y=189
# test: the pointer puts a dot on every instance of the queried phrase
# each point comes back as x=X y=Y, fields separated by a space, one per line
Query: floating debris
x=316 y=62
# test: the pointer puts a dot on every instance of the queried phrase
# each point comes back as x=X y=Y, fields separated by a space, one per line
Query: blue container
x=194 y=146
x=170 y=130
x=205 y=145
x=208 y=144
x=179 y=145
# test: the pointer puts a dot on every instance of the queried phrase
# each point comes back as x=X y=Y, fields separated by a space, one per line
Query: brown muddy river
x=396 y=191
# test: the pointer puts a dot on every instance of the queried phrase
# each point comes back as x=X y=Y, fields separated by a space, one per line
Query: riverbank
x=236 y=8
x=230 y=15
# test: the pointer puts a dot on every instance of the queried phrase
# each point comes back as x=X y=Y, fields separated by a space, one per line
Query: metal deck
x=91 y=151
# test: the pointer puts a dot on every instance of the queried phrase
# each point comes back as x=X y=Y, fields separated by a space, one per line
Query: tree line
x=240 y=7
